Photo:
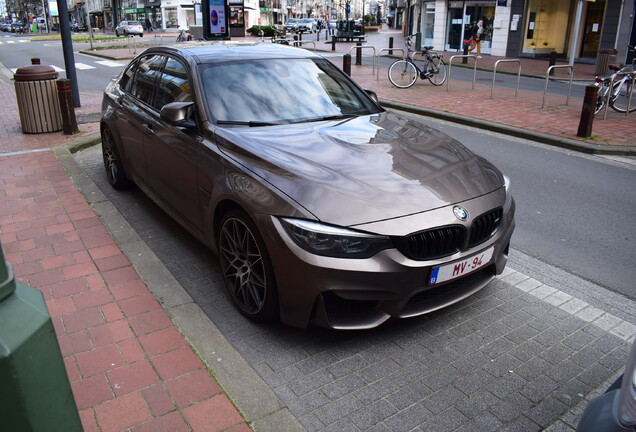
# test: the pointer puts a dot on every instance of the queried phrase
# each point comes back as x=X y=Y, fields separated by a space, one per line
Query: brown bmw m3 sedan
x=323 y=207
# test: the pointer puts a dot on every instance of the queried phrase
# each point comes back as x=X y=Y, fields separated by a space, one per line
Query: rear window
x=133 y=23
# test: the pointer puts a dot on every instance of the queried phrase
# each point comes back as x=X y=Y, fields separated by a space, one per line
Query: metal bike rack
x=299 y=43
x=494 y=75
x=376 y=59
x=630 y=76
x=450 y=67
x=364 y=47
x=547 y=79
x=609 y=96
x=134 y=45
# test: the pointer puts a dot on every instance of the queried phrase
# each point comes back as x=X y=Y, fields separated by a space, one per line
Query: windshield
x=277 y=91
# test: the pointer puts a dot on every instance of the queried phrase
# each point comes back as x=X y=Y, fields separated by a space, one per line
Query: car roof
x=211 y=52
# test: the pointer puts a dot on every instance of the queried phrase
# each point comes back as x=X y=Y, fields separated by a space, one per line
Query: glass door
x=592 y=29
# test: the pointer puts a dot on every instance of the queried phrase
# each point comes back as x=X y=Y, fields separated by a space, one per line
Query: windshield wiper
x=246 y=123
x=325 y=118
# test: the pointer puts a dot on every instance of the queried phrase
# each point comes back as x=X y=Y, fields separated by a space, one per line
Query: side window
x=173 y=85
x=148 y=69
x=127 y=77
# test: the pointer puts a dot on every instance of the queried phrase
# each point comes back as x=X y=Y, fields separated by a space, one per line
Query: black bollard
x=346 y=64
x=465 y=59
x=358 y=54
x=391 y=45
x=333 y=43
x=65 y=93
x=587 y=113
x=553 y=57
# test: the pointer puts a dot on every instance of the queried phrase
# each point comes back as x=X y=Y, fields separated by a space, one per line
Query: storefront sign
x=134 y=10
x=502 y=3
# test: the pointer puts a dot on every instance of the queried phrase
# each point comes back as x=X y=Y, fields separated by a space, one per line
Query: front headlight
x=331 y=241
x=508 y=202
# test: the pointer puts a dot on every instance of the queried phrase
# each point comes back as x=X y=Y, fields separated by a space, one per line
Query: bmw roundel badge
x=460 y=213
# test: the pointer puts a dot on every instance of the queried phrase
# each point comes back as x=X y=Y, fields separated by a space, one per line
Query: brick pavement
x=130 y=368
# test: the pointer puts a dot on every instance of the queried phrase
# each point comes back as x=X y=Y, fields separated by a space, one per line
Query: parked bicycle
x=620 y=93
x=403 y=73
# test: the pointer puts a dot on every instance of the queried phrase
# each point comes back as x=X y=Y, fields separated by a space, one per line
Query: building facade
x=575 y=29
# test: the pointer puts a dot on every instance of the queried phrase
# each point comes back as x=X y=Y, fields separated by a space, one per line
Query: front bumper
x=363 y=293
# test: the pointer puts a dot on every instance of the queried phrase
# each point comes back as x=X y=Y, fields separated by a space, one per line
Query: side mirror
x=178 y=114
x=373 y=95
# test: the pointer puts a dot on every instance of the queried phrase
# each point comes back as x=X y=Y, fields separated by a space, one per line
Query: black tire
x=141 y=35
x=620 y=97
x=112 y=162
x=246 y=267
x=402 y=74
x=436 y=71
x=116 y=33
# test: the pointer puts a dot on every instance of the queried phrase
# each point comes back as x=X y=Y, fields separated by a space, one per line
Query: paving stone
x=338 y=409
x=408 y=418
x=443 y=399
x=375 y=413
x=547 y=411
x=539 y=388
x=447 y=421
x=409 y=395
x=311 y=382
x=343 y=386
x=477 y=404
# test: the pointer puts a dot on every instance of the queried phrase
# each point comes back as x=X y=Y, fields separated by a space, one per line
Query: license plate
x=460 y=268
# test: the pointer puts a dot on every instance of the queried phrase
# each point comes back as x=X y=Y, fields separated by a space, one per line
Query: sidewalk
x=129 y=366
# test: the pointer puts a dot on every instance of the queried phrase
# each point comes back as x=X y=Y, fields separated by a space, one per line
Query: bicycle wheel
x=436 y=71
x=402 y=74
x=620 y=96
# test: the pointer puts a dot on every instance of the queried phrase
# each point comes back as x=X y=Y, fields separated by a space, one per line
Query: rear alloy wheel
x=112 y=162
x=246 y=267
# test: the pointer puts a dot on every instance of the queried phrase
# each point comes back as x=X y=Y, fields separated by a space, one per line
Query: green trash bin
x=35 y=393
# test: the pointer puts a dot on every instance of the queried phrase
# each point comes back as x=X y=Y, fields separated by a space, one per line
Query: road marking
x=83 y=66
x=10 y=42
x=110 y=63
x=57 y=69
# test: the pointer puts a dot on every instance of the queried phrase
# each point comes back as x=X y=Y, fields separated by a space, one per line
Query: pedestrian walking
x=478 y=34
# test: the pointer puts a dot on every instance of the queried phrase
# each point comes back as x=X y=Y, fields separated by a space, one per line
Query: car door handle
x=149 y=129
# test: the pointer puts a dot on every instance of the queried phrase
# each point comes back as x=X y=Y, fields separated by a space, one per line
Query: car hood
x=363 y=169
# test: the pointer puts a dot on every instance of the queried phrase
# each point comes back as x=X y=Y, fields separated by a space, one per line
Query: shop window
x=546 y=26
x=170 y=16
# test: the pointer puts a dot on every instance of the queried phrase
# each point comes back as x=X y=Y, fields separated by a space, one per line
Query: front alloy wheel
x=246 y=267
x=112 y=162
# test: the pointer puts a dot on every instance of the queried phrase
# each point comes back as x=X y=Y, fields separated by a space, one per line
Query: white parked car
x=307 y=25
x=127 y=28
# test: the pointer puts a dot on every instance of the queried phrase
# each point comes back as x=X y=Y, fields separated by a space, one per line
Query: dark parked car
x=322 y=206
x=17 y=27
